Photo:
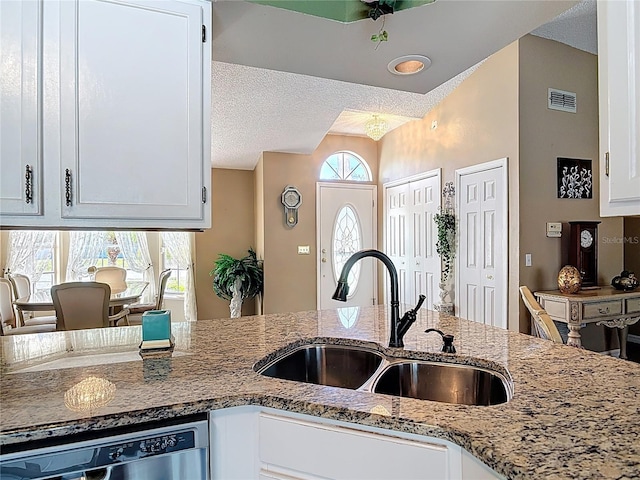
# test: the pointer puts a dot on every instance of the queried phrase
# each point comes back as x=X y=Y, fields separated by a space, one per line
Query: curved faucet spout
x=398 y=326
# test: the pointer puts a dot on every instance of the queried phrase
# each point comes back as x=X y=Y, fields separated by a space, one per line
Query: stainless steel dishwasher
x=178 y=452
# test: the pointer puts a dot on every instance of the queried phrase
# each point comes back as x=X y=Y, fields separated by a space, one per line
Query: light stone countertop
x=574 y=414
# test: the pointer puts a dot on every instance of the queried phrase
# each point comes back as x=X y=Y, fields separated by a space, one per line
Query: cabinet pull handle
x=28 y=184
x=603 y=311
x=67 y=186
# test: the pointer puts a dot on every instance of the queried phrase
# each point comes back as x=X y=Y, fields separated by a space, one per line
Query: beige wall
x=477 y=123
x=290 y=279
x=545 y=135
x=232 y=232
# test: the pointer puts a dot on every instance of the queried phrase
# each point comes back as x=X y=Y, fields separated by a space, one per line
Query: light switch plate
x=527 y=259
x=303 y=250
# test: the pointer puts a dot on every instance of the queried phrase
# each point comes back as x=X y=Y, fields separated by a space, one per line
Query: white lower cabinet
x=262 y=443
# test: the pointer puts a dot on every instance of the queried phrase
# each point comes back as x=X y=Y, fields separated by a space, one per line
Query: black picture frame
x=575 y=178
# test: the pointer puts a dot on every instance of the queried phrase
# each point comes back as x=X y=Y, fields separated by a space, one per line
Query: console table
x=602 y=306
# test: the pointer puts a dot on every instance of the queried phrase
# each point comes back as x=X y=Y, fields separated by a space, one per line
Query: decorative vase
x=569 y=279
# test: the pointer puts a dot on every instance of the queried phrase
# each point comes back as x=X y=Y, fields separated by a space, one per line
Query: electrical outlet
x=527 y=260
x=303 y=250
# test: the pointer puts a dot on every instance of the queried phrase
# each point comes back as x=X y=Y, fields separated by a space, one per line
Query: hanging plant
x=445 y=245
x=379 y=8
x=237 y=279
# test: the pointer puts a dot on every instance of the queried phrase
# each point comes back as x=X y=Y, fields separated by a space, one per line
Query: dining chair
x=7 y=316
x=81 y=305
x=543 y=325
x=137 y=309
x=115 y=277
x=22 y=288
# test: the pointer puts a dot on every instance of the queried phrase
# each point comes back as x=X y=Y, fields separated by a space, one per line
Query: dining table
x=41 y=300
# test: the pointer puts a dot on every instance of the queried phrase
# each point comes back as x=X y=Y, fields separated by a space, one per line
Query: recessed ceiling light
x=409 y=64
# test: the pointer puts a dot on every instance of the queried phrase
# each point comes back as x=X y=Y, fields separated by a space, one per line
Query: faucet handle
x=421 y=300
x=447 y=340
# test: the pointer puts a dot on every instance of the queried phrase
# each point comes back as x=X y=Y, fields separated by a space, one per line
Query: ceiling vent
x=561 y=100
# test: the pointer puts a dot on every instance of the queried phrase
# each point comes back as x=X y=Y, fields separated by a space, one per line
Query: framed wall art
x=575 y=178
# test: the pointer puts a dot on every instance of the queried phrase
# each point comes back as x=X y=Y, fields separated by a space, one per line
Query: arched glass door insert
x=345 y=166
x=348 y=316
x=347 y=240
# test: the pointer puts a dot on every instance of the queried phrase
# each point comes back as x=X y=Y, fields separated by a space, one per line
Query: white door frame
x=502 y=164
x=437 y=172
x=374 y=227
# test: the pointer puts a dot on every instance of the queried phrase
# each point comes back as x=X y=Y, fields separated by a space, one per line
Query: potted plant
x=445 y=248
x=445 y=245
x=237 y=279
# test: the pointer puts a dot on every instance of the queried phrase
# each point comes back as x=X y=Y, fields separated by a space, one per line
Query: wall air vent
x=561 y=100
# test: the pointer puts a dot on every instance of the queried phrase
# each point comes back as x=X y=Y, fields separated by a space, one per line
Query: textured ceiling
x=275 y=97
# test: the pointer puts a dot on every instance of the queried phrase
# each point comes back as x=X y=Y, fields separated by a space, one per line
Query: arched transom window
x=345 y=166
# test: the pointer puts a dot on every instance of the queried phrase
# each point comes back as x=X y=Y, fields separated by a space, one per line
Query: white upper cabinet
x=20 y=119
x=125 y=114
x=619 y=90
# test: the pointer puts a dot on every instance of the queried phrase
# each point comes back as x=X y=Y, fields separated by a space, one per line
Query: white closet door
x=396 y=234
x=425 y=199
x=411 y=236
x=482 y=259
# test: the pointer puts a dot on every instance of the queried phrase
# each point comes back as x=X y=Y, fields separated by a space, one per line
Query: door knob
x=324 y=260
x=490 y=277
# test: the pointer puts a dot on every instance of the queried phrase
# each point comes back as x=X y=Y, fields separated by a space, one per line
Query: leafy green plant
x=379 y=8
x=237 y=279
x=445 y=245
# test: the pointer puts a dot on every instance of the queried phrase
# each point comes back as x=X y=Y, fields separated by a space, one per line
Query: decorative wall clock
x=583 y=251
x=291 y=199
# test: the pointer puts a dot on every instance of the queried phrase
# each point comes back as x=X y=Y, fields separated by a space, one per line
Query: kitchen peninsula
x=574 y=413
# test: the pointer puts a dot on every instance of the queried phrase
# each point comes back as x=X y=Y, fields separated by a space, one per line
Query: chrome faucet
x=399 y=326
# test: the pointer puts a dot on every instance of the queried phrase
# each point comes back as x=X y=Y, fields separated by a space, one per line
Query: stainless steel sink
x=442 y=382
x=362 y=368
x=333 y=365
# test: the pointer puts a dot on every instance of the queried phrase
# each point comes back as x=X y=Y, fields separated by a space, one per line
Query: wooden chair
x=115 y=277
x=137 y=309
x=22 y=288
x=543 y=325
x=7 y=315
x=81 y=305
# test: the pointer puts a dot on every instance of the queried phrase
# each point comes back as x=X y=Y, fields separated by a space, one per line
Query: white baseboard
x=633 y=339
x=612 y=353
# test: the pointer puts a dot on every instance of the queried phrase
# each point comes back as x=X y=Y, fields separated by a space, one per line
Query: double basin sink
x=366 y=369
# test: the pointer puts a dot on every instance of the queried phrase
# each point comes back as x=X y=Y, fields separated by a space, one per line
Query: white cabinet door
x=265 y=443
x=306 y=449
x=131 y=110
x=20 y=119
x=619 y=89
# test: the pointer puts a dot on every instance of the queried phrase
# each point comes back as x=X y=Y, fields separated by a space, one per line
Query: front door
x=346 y=223
x=481 y=276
